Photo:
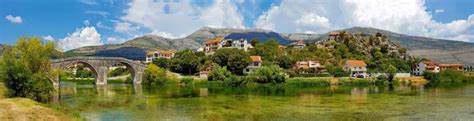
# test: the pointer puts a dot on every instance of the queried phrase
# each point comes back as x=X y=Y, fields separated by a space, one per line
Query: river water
x=128 y=102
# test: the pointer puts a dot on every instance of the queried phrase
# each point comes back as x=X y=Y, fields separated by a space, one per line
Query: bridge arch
x=100 y=66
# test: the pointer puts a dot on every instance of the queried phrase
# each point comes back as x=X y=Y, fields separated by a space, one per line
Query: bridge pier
x=101 y=78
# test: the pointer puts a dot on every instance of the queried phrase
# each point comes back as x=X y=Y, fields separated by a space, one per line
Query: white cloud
x=403 y=16
x=89 y=2
x=14 y=19
x=101 y=13
x=100 y=25
x=115 y=40
x=125 y=27
x=48 y=38
x=181 y=17
x=86 y=36
x=439 y=11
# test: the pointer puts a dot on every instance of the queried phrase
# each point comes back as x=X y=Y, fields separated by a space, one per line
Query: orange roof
x=356 y=63
x=429 y=63
x=451 y=65
x=215 y=40
x=334 y=33
x=161 y=52
x=256 y=58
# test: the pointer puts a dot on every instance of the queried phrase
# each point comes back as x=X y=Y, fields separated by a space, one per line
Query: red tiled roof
x=256 y=58
x=353 y=63
x=215 y=40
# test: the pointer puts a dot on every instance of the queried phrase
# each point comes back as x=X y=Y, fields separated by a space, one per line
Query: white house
x=256 y=63
x=150 y=55
x=425 y=66
x=356 y=67
x=239 y=44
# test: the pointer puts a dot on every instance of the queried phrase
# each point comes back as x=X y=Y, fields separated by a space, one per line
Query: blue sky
x=76 y=23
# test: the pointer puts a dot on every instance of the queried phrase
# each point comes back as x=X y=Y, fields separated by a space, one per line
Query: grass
x=23 y=109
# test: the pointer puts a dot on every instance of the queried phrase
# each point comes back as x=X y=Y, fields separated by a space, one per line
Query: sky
x=77 y=23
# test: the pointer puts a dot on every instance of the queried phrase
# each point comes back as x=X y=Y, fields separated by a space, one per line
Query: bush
x=118 y=72
x=446 y=77
x=235 y=81
x=268 y=74
x=219 y=74
x=155 y=75
x=186 y=80
x=338 y=72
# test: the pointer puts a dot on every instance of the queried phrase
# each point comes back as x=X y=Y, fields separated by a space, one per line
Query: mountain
x=443 y=51
x=439 y=50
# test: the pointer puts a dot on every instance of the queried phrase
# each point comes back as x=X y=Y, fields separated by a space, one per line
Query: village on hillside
x=308 y=68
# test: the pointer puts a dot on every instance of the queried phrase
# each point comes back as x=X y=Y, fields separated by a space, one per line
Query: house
x=457 y=67
x=299 y=44
x=239 y=44
x=150 y=55
x=212 y=45
x=256 y=63
x=356 y=68
x=425 y=66
x=204 y=72
x=219 y=42
x=305 y=66
x=335 y=35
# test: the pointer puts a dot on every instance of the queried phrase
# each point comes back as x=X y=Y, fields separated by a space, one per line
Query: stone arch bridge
x=100 y=66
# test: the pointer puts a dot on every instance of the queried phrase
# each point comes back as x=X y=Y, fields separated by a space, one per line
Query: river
x=128 y=102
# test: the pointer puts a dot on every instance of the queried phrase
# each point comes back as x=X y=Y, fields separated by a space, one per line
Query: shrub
x=186 y=80
x=219 y=74
x=268 y=74
x=446 y=77
x=155 y=75
x=235 y=81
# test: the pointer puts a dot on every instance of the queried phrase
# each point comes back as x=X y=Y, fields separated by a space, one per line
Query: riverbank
x=23 y=109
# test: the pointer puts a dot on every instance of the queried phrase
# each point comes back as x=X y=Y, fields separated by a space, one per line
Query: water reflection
x=136 y=102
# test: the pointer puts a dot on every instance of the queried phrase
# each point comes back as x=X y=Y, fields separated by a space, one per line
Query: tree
x=161 y=62
x=234 y=59
x=26 y=69
x=391 y=71
x=186 y=62
x=154 y=75
x=268 y=50
x=268 y=74
x=254 y=42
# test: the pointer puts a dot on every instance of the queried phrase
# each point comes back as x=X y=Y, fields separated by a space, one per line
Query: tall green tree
x=26 y=69
x=234 y=59
x=187 y=62
x=161 y=62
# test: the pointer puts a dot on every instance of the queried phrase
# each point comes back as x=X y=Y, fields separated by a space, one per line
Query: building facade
x=150 y=55
x=430 y=66
x=304 y=66
x=256 y=63
x=212 y=45
x=357 y=68
x=219 y=42
x=299 y=45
